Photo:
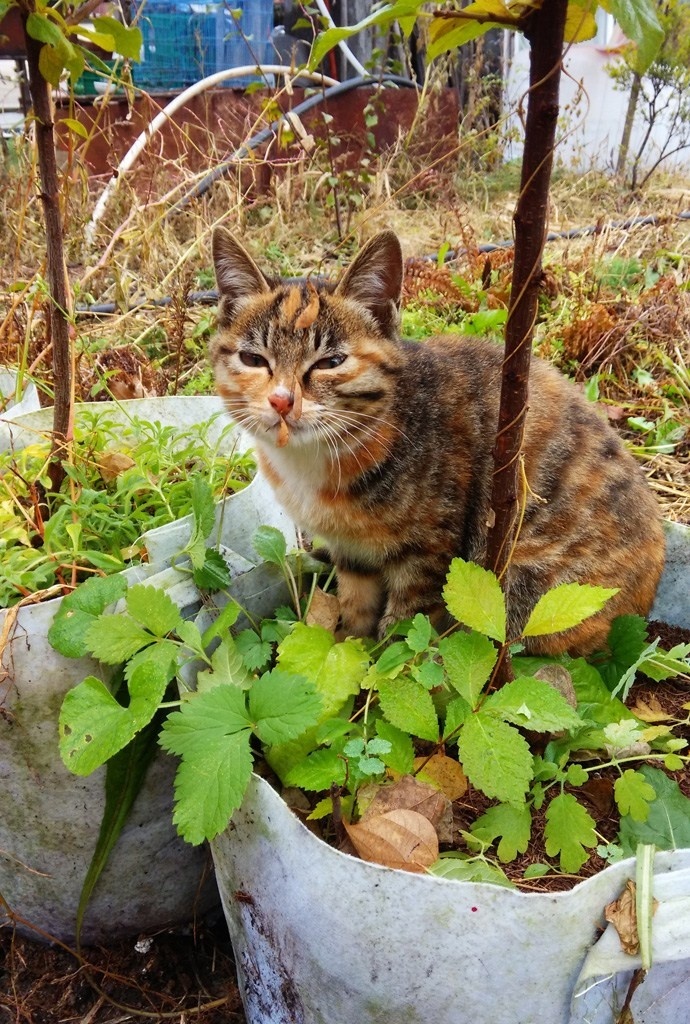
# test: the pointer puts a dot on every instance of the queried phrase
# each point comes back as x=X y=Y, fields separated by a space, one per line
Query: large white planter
x=49 y=818
x=323 y=938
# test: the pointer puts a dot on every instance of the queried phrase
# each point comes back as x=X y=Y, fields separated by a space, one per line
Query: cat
x=383 y=449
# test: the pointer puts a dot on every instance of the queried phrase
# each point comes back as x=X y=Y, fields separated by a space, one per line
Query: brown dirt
x=179 y=978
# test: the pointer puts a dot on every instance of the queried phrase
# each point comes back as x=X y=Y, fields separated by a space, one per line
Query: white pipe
x=166 y=113
x=342 y=45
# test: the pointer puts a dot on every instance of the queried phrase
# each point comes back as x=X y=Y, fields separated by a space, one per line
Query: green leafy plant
x=119 y=482
x=334 y=717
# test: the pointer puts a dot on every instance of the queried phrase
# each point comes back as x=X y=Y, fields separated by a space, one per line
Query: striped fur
x=382 y=448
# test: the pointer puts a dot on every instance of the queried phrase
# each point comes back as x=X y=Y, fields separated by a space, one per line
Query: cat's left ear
x=375 y=280
x=237 y=274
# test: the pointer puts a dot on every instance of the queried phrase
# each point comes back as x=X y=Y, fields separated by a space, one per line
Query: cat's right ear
x=237 y=274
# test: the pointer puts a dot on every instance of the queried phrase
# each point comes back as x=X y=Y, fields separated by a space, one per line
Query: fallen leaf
x=650 y=710
x=623 y=916
x=411 y=794
x=598 y=794
x=444 y=773
x=397 y=839
x=324 y=610
x=112 y=464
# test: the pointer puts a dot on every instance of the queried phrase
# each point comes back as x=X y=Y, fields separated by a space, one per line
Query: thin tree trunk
x=544 y=30
x=631 y=110
x=56 y=272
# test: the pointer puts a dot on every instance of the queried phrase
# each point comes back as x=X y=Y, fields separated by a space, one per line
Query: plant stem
x=56 y=270
x=544 y=29
x=630 y=112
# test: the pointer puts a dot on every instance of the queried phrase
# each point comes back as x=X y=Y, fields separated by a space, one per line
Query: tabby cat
x=383 y=449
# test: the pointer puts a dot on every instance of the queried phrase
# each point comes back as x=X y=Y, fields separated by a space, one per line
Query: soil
x=182 y=978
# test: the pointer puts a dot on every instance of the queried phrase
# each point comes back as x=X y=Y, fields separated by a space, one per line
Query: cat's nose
x=282 y=401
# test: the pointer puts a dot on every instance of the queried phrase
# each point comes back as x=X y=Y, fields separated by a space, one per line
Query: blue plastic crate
x=184 y=41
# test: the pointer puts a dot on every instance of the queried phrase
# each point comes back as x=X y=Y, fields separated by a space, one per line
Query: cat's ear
x=375 y=280
x=237 y=274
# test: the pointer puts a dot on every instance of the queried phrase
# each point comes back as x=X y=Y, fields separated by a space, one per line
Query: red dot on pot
x=474 y=909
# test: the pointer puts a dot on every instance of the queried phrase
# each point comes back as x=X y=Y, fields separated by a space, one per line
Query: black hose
x=209 y=298
x=270 y=132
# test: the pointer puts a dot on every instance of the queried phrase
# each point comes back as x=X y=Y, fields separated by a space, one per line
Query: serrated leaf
x=204 y=718
x=534 y=704
x=496 y=758
x=191 y=637
x=430 y=674
x=79 y=610
x=668 y=823
x=566 y=606
x=474 y=597
x=270 y=545
x=468 y=659
x=154 y=609
x=113 y=639
x=335 y=669
x=569 y=832
x=407 y=704
x=419 y=636
x=457 y=713
x=400 y=757
x=460 y=868
x=283 y=706
x=626 y=641
x=213 y=575
x=224 y=621
x=256 y=653
x=393 y=658
x=513 y=822
x=634 y=795
x=227 y=669
x=210 y=785
x=318 y=771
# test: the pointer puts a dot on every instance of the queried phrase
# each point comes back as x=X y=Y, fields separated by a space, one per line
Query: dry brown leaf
x=598 y=793
x=411 y=794
x=112 y=464
x=324 y=610
x=623 y=916
x=650 y=710
x=442 y=772
x=397 y=839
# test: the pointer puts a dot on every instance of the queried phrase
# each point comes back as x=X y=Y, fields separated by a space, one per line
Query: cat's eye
x=253 y=359
x=329 y=362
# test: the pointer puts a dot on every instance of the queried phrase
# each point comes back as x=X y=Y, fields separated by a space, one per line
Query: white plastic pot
x=10 y=405
x=49 y=818
x=323 y=938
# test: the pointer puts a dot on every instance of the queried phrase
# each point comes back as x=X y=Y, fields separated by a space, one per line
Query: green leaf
x=270 y=545
x=213 y=575
x=113 y=639
x=227 y=669
x=406 y=10
x=319 y=771
x=580 y=23
x=210 y=784
x=76 y=127
x=496 y=758
x=203 y=719
x=203 y=507
x=457 y=713
x=154 y=609
x=638 y=20
x=223 y=622
x=468 y=659
x=44 y=30
x=407 y=704
x=283 y=706
x=569 y=831
x=189 y=633
x=566 y=606
x=533 y=704
x=128 y=38
x=668 y=823
x=634 y=795
x=400 y=757
x=461 y=868
x=474 y=597
x=626 y=641
x=513 y=822
x=393 y=658
x=335 y=669
x=449 y=33
x=667 y=664
x=419 y=636
x=124 y=777
x=256 y=653
x=80 y=609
